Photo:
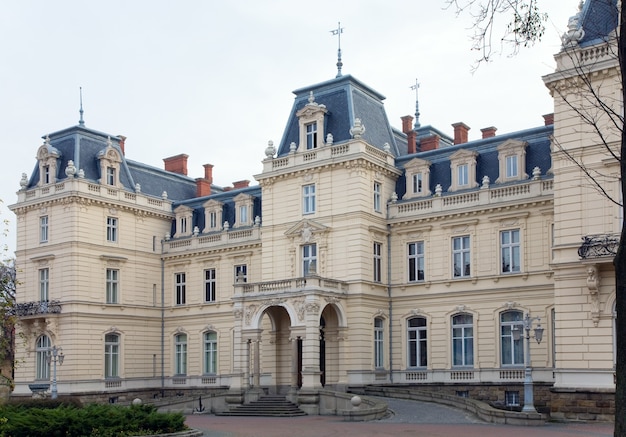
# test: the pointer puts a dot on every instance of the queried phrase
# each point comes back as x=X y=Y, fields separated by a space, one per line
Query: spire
x=81 y=122
x=338 y=31
x=417 y=104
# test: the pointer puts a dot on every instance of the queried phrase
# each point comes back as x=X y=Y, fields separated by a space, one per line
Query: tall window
x=512 y=351
x=308 y=199
x=417 y=347
x=378 y=263
x=418 y=183
x=309 y=259
x=111 y=356
x=461 y=256
x=42 y=347
x=44 y=285
x=311 y=135
x=462 y=340
x=463 y=174
x=377 y=196
x=510 y=250
x=180 y=288
x=416 y=261
x=213 y=220
x=241 y=273
x=210 y=352
x=243 y=214
x=110 y=175
x=511 y=166
x=111 y=229
x=209 y=285
x=43 y=229
x=46 y=174
x=112 y=285
x=379 y=343
x=180 y=351
x=184 y=226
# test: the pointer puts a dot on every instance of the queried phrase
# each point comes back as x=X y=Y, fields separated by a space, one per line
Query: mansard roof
x=598 y=20
x=345 y=99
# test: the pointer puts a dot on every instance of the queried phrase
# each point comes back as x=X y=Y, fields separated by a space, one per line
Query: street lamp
x=53 y=355
x=516 y=330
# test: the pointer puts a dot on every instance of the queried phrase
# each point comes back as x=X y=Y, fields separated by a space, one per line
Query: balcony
x=599 y=246
x=37 y=308
x=299 y=285
x=212 y=240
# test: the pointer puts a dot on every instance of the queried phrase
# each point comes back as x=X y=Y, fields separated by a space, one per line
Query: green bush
x=93 y=420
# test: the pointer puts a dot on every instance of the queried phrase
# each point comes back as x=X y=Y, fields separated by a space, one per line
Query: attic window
x=311 y=135
x=417 y=178
x=110 y=163
x=463 y=169
x=110 y=176
x=512 y=161
x=212 y=215
x=311 y=125
x=47 y=155
x=46 y=174
x=184 y=221
x=243 y=206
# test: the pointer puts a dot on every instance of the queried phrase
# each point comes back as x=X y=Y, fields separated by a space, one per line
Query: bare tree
x=526 y=26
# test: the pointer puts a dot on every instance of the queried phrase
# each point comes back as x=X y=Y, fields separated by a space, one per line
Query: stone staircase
x=266 y=406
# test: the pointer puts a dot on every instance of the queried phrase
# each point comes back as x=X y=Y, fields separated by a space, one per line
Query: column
x=256 y=379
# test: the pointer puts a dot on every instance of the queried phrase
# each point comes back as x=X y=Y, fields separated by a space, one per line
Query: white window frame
x=309 y=259
x=210 y=285
x=461 y=256
x=44 y=229
x=512 y=161
x=210 y=353
x=417 y=342
x=311 y=135
x=241 y=273
x=463 y=170
x=416 y=259
x=462 y=340
x=418 y=183
x=112 y=286
x=378 y=187
x=462 y=175
x=112 y=228
x=511 y=350
x=42 y=366
x=377 y=267
x=112 y=355
x=44 y=284
x=180 y=354
x=379 y=343
x=180 y=288
x=111 y=176
x=510 y=249
x=511 y=166
x=308 y=198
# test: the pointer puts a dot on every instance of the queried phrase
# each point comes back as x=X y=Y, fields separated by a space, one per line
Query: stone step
x=267 y=406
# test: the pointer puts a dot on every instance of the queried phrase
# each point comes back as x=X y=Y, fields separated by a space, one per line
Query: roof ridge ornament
x=338 y=31
x=417 y=105
x=574 y=33
x=81 y=122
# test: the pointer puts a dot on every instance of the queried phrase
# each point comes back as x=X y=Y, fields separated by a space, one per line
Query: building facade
x=365 y=255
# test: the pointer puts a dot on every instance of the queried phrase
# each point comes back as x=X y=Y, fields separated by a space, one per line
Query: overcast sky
x=214 y=79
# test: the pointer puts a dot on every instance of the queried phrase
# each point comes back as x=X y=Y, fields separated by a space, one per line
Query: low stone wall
x=584 y=405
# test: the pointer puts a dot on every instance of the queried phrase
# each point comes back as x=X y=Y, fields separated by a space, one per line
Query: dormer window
x=184 y=221
x=110 y=176
x=46 y=174
x=244 y=204
x=463 y=169
x=47 y=157
x=212 y=215
x=311 y=135
x=110 y=162
x=512 y=159
x=417 y=178
x=311 y=124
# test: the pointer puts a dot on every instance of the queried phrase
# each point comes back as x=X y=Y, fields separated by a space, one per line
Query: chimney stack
x=407 y=128
x=176 y=164
x=429 y=143
x=460 y=132
x=122 y=143
x=489 y=132
x=241 y=184
x=203 y=185
x=548 y=119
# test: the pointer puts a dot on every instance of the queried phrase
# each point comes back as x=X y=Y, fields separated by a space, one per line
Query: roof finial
x=417 y=104
x=81 y=122
x=338 y=31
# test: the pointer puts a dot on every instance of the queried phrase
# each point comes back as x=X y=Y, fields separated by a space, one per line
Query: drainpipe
x=390 y=301
x=162 y=322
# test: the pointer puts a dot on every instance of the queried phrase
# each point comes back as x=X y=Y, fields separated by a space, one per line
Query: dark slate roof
x=82 y=145
x=598 y=20
x=345 y=98
x=537 y=155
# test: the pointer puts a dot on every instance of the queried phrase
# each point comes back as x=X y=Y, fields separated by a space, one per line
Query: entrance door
x=322 y=352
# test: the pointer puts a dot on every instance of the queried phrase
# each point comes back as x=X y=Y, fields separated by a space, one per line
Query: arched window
x=511 y=351
x=42 y=365
x=180 y=358
x=463 y=340
x=417 y=342
x=111 y=356
x=210 y=352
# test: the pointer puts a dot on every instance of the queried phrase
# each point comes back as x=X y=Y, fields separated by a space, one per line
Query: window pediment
x=306 y=230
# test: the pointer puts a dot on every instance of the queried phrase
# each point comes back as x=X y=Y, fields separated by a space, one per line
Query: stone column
x=256 y=379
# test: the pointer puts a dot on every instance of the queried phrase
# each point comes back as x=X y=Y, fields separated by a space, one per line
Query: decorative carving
x=510 y=305
x=249 y=312
x=312 y=307
x=593 y=284
x=237 y=313
x=415 y=311
x=358 y=129
x=306 y=233
x=574 y=32
x=461 y=308
x=299 y=306
x=331 y=299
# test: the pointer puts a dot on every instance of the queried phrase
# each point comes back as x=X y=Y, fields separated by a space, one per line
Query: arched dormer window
x=184 y=221
x=48 y=157
x=212 y=215
x=311 y=125
x=417 y=173
x=512 y=161
x=110 y=164
x=244 y=208
x=463 y=168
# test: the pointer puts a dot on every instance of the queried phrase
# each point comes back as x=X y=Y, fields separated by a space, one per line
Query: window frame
x=42 y=366
x=44 y=284
x=210 y=285
x=309 y=257
x=511 y=166
x=378 y=188
x=180 y=288
x=209 y=352
x=112 y=229
x=308 y=199
x=462 y=254
x=512 y=356
x=111 y=356
x=379 y=343
x=111 y=175
x=310 y=133
x=44 y=228
x=465 y=340
x=180 y=354
x=377 y=268
x=417 y=342
x=510 y=250
x=415 y=260
x=112 y=280
x=462 y=175
x=241 y=273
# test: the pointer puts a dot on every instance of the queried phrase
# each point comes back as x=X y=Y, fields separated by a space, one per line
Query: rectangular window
x=43 y=229
x=112 y=229
x=378 y=261
x=241 y=273
x=379 y=333
x=511 y=398
x=309 y=259
x=181 y=288
x=46 y=174
x=213 y=220
x=111 y=356
x=180 y=342
x=417 y=342
x=416 y=261
x=243 y=214
x=183 y=225
x=112 y=283
x=463 y=340
x=418 y=183
x=44 y=278
x=110 y=176
x=463 y=174
x=210 y=352
x=209 y=285
x=311 y=135
x=511 y=166
x=461 y=256
x=510 y=250
x=377 y=196
x=308 y=199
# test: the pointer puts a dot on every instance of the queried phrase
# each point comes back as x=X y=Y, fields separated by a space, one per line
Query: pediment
x=512 y=144
x=306 y=229
x=417 y=163
x=310 y=110
x=241 y=197
x=212 y=204
x=182 y=209
x=463 y=154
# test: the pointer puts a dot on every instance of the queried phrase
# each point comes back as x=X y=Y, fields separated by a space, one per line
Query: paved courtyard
x=409 y=418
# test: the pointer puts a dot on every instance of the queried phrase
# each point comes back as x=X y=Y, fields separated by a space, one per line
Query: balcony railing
x=291 y=285
x=224 y=237
x=26 y=309
x=598 y=246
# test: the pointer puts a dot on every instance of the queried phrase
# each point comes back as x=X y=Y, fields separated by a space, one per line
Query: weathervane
x=338 y=31
x=81 y=122
x=417 y=106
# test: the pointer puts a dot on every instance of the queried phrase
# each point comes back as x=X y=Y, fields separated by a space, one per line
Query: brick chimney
x=489 y=132
x=548 y=119
x=203 y=185
x=429 y=143
x=241 y=184
x=460 y=132
x=176 y=164
x=122 y=143
x=411 y=135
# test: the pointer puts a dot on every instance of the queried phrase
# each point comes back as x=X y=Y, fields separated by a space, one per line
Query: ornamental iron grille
x=596 y=246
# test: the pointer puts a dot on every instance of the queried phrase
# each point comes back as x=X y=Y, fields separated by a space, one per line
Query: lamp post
x=526 y=324
x=53 y=355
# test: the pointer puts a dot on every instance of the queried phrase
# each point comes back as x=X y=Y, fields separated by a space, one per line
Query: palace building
x=365 y=255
